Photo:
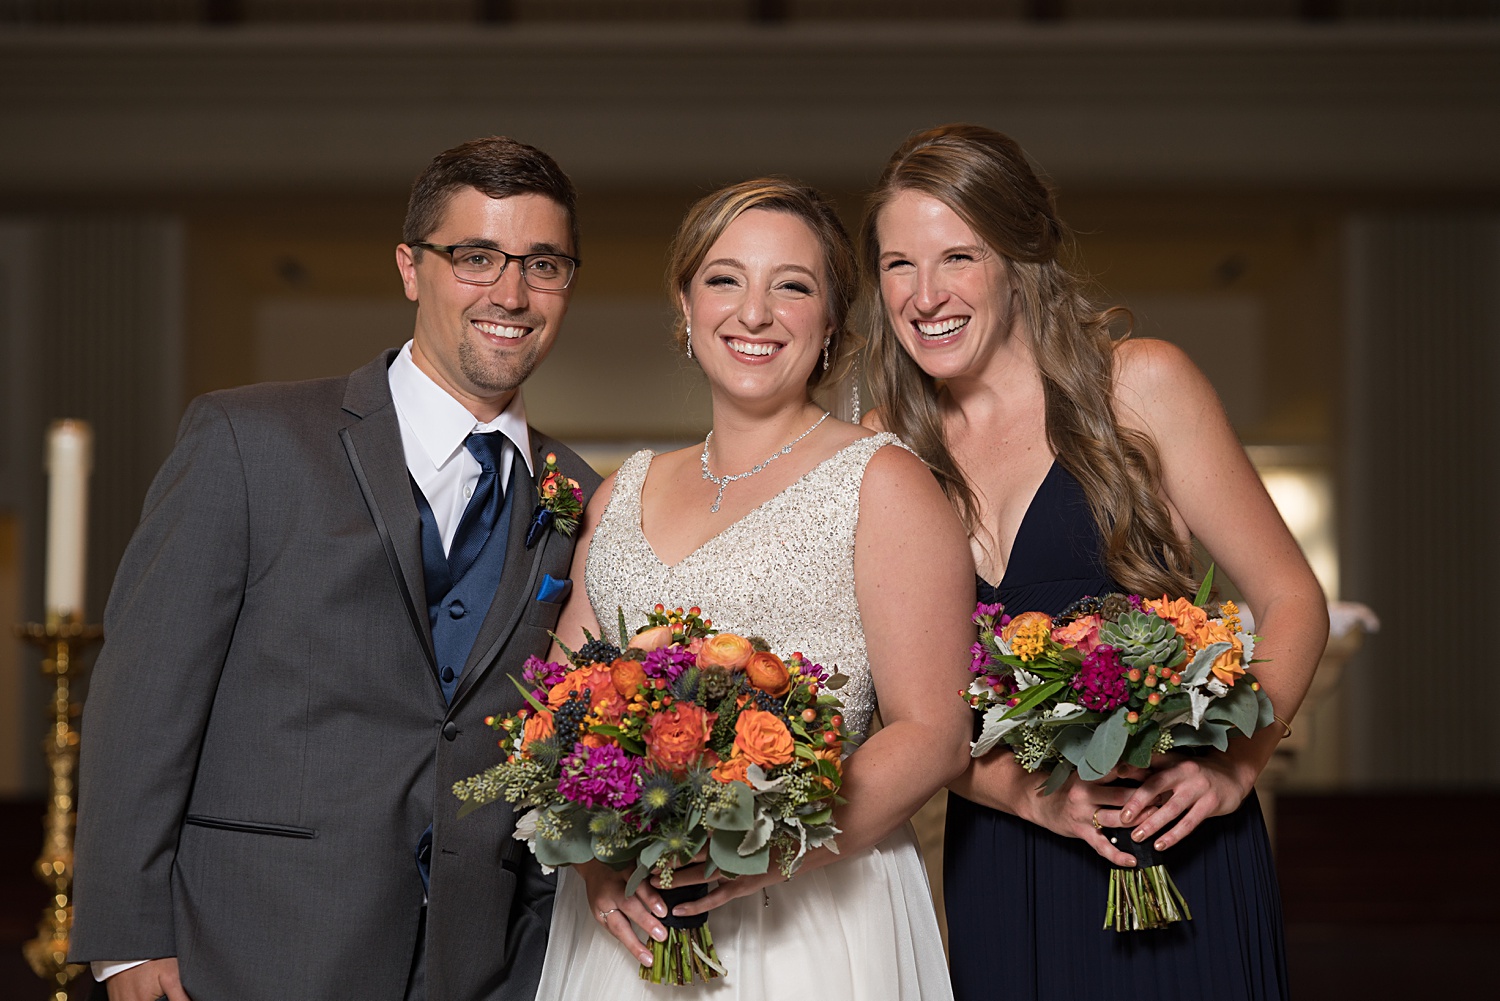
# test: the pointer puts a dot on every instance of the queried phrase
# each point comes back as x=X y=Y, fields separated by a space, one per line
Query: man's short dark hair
x=499 y=167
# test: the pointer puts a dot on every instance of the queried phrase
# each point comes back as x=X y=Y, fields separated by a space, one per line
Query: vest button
x=447 y=675
x=450 y=730
x=456 y=610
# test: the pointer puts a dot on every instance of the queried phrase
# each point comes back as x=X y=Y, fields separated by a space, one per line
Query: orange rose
x=651 y=639
x=599 y=681
x=768 y=673
x=1034 y=619
x=677 y=737
x=1229 y=665
x=1186 y=617
x=628 y=675
x=725 y=650
x=761 y=737
x=538 y=727
x=1082 y=633
x=732 y=769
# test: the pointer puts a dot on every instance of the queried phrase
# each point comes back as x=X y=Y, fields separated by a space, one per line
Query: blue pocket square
x=553 y=589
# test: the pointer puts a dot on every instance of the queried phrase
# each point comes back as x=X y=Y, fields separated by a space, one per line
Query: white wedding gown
x=862 y=927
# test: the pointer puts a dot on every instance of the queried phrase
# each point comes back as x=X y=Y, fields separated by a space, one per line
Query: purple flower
x=541 y=675
x=599 y=776
x=983 y=611
x=1100 y=682
x=979 y=659
x=668 y=662
x=1135 y=601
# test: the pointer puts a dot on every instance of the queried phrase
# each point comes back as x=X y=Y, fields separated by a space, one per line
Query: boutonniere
x=559 y=503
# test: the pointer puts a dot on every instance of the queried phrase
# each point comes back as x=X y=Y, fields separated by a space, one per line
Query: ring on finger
x=1095 y=820
x=605 y=914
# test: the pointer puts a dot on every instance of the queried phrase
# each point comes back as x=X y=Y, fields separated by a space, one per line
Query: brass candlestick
x=62 y=640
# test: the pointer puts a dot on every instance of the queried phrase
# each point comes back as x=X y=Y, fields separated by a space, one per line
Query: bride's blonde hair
x=711 y=215
x=984 y=177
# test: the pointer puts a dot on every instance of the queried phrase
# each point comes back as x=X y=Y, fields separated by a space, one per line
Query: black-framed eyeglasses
x=485 y=265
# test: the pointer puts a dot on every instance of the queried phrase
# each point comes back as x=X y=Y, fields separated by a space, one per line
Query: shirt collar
x=441 y=423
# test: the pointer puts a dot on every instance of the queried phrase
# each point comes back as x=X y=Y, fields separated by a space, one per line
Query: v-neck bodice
x=784 y=572
x=1057 y=555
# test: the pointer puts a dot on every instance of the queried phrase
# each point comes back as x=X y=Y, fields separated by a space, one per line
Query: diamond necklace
x=723 y=481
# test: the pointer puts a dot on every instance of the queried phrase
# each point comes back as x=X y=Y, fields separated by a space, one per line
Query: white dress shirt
x=433 y=428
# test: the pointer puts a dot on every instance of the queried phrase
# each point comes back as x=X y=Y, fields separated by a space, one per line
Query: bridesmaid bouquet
x=1110 y=680
x=687 y=739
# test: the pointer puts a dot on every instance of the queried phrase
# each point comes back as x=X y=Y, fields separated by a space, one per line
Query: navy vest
x=456 y=609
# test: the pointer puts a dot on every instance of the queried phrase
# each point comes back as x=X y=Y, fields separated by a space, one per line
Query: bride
x=818 y=536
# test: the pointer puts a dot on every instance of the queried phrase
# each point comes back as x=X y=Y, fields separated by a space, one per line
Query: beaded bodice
x=784 y=572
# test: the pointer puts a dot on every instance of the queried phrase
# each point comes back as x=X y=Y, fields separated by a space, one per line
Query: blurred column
x=1422 y=495
x=90 y=326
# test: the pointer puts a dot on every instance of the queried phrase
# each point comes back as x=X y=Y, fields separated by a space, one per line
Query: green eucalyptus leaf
x=1107 y=744
x=1138 y=749
x=737 y=817
x=1060 y=773
x=574 y=847
x=1072 y=743
x=724 y=847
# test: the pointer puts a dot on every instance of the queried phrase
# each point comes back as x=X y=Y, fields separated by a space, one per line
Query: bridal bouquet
x=1110 y=680
x=687 y=739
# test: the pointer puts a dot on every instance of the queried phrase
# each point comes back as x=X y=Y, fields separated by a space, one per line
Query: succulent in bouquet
x=1117 y=679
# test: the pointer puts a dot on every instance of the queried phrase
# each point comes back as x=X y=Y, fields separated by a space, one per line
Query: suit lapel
x=373 y=445
x=518 y=583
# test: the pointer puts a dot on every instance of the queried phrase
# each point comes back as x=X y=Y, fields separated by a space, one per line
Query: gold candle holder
x=61 y=640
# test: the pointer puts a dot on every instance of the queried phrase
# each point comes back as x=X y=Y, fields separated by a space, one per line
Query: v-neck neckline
x=640 y=503
x=1010 y=560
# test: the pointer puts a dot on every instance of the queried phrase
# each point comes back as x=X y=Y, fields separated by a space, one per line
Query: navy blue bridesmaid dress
x=1026 y=906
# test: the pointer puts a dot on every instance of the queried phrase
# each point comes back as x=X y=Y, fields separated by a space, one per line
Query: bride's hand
x=1184 y=791
x=1079 y=809
x=721 y=887
x=621 y=913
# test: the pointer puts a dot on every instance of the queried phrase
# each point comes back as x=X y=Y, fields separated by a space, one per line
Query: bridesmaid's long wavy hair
x=711 y=215
x=984 y=177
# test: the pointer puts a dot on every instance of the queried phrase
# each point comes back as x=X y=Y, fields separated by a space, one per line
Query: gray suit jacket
x=265 y=738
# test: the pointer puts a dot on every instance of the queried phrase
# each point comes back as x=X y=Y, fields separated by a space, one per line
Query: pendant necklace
x=723 y=481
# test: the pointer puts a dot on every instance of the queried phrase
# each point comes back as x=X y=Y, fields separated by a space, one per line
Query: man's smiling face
x=480 y=342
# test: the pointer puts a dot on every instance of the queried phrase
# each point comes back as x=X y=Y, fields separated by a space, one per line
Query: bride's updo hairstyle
x=985 y=178
x=711 y=215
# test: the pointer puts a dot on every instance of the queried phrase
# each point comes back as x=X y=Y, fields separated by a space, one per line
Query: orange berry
x=1132 y=717
x=808 y=715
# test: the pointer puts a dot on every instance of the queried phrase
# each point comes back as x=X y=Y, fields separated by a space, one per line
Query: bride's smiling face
x=758 y=306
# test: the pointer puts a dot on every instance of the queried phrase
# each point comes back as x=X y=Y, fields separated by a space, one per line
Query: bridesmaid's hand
x=1183 y=792
x=621 y=914
x=1078 y=810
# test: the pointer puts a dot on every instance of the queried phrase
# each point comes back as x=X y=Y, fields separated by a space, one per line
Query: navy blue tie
x=483 y=511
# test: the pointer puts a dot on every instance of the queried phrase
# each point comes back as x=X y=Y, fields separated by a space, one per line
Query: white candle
x=70 y=459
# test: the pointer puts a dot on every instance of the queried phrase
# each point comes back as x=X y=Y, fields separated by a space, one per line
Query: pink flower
x=1100 y=682
x=1082 y=633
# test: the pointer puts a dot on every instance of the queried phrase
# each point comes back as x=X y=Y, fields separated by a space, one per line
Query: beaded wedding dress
x=862 y=927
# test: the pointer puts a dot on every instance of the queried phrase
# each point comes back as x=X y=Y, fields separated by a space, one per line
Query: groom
x=330 y=589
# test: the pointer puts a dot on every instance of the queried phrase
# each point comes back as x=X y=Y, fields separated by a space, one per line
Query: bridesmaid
x=1080 y=463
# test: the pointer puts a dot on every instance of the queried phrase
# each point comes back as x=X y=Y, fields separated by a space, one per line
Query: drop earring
x=826 y=342
x=690 y=340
